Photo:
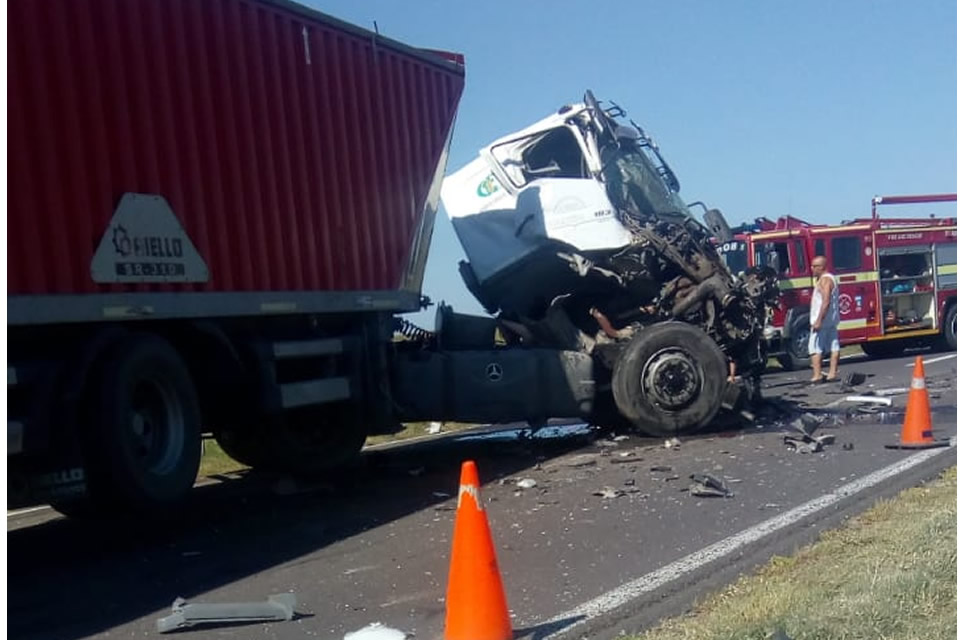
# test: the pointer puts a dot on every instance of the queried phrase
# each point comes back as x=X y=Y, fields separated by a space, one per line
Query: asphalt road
x=373 y=545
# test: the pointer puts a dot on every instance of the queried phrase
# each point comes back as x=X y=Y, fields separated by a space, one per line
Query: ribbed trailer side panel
x=297 y=152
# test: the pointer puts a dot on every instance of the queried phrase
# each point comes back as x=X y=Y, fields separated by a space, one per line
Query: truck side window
x=846 y=253
x=801 y=266
x=774 y=255
x=819 y=248
x=556 y=154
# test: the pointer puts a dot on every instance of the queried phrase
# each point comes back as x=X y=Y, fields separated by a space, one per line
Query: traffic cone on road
x=917 y=432
x=476 y=602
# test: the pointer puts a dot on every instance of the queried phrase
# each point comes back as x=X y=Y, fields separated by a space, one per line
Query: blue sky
x=761 y=108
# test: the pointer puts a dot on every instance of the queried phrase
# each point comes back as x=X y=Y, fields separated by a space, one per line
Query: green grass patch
x=416 y=430
x=890 y=573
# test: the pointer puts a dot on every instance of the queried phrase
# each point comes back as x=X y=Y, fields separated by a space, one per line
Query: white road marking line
x=932 y=360
x=631 y=590
x=20 y=512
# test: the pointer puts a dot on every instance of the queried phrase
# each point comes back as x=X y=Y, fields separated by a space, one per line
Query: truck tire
x=143 y=441
x=303 y=441
x=948 y=341
x=883 y=348
x=796 y=350
x=316 y=439
x=669 y=379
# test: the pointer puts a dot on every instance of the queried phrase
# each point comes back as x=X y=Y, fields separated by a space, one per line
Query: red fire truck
x=897 y=278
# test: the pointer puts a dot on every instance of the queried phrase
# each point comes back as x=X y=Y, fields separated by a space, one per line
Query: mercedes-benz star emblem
x=494 y=372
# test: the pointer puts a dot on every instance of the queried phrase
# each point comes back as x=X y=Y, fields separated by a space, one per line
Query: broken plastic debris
x=853 y=379
x=671 y=443
x=706 y=485
x=376 y=631
x=527 y=483
x=435 y=428
x=608 y=492
x=185 y=614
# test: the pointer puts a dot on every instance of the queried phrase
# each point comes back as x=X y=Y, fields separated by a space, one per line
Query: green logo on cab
x=488 y=187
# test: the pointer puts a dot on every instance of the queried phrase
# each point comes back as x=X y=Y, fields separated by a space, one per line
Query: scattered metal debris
x=891 y=391
x=869 y=400
x=708 y=486
x=629 y=482
x=621 y=438
x=440 y=494
x=527 y=483
x=661 y=467
x=671 y=443
x=609 y=492
x=847 y=446
x=185 y=614
x=808 y=444
x=770 y=505
x=376 y=631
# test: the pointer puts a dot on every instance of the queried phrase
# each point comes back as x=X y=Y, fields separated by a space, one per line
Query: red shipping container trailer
x=275 y=156
x=216 y=207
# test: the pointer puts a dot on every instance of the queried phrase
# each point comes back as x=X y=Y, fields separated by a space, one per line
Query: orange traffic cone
x=476 y=602
x=917 y=432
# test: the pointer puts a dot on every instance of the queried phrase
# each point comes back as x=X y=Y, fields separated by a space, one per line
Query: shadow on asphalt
x=72 y=578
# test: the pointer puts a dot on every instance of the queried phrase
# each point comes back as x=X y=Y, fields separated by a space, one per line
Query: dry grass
x=890 y=573
x=416 y=430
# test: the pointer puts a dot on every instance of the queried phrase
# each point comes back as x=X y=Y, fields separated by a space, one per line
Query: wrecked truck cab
x=577 y=238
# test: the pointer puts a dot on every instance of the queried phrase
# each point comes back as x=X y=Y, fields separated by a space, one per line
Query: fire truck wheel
x=796 y=353
x=143 y=443
x=949 y=339
x=669 y=379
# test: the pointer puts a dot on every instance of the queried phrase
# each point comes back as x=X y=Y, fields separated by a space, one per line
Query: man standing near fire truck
x=824 y=320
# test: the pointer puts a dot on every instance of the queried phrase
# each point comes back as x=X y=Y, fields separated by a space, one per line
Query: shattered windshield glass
x=634 y=184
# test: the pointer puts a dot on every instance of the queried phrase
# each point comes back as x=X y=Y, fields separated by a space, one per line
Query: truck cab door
x=850 y=258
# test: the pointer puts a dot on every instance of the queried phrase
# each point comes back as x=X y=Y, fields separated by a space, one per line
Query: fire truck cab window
x=819 y=248
x=845 y=253
x=775 y=256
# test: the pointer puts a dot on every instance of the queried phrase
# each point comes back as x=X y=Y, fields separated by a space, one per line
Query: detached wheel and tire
x=796 y=353
x=669 y=379
x=143 y=426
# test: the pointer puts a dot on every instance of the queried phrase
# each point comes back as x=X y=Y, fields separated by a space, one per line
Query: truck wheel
x=796 y=353
x=143 y=444
x=317 y=439
x=669 y=379
x=948 y=341
x=305 y=441
x=883 y=348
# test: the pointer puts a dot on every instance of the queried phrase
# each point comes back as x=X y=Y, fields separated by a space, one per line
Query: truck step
x=300 y=394
x=308 y=348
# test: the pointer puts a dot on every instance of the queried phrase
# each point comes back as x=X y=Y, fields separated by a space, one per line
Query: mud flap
x=732 y=396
